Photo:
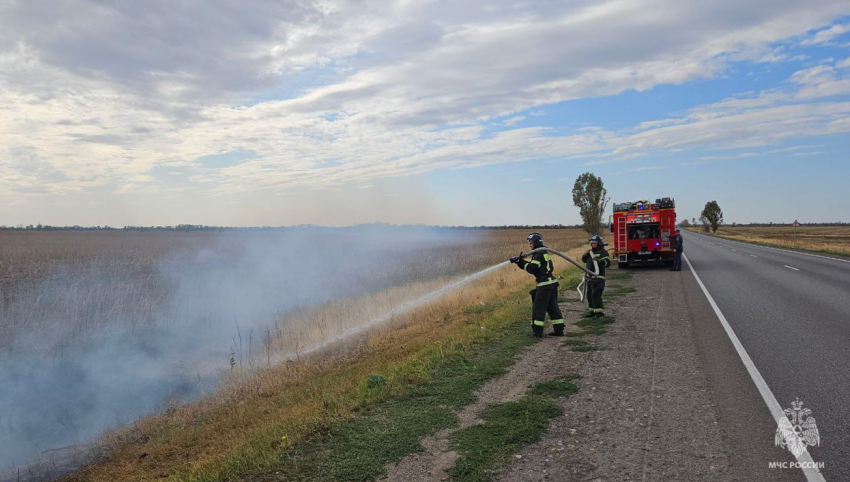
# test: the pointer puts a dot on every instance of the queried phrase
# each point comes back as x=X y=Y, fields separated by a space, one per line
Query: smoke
x=93 y=347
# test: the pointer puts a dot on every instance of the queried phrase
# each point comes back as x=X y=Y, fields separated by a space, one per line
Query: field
x=825 y=239
x=127 y=302
x=86 y=282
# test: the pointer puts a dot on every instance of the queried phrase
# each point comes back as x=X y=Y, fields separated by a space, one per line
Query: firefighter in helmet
x=544 y=297
x=596 y=283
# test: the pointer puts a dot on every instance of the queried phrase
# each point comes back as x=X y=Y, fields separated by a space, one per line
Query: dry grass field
x=825 y=239
x=240 y=426
x=97 y=280
x=89 y=282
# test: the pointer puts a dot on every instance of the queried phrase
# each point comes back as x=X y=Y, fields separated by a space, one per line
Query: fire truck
x=643 y=232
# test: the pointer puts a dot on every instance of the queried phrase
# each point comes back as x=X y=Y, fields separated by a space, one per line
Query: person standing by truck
x=544 y=297
x=678 y=247
x=596 y=283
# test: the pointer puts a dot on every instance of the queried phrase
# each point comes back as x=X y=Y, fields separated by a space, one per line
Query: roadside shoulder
x=644 y=410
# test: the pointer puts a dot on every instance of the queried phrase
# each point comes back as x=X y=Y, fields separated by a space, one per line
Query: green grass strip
x=617 y=291
x=584 y=348
x=507 y=428
x=619 y=275
x=357 y=449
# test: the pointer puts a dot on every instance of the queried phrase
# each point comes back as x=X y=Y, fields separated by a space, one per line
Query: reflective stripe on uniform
x=544 y=283
x=558 y=322
x=538 y=323
x=535 y=262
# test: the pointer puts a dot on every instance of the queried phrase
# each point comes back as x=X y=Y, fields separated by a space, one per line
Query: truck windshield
x=644 y=231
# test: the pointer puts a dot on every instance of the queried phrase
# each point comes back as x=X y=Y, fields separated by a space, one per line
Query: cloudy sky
x=278 y=112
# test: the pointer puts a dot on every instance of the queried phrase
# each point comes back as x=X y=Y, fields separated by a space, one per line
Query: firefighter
x=678 y=247
x=544 y=296
x=596 y=283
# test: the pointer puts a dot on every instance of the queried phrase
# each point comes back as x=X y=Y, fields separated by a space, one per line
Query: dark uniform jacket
x=541 y=267
x=601 y=258
x=678 y=243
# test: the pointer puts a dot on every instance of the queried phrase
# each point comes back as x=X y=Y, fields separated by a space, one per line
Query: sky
x=284 y=112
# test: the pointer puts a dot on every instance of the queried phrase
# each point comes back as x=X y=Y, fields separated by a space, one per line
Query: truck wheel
x=621 y=265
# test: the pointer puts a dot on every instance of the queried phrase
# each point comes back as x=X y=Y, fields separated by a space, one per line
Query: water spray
x=399 y=310
x=429 y=297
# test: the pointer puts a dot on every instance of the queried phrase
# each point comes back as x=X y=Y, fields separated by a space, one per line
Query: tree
x=712 y=216
x=685 y=223
x=589 y=197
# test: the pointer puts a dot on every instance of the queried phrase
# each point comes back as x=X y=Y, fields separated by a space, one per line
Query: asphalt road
x=791 y=313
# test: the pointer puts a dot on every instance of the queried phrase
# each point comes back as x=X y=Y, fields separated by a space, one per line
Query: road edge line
x=812 y=474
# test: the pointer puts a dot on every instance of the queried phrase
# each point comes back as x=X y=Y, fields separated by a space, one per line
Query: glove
x=514 y=259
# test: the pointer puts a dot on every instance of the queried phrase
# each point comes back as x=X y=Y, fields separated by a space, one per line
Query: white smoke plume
x=90 y=348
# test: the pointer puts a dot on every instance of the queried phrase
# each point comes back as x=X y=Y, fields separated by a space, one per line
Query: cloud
x=821 y=81
x=513 y=120
x=826 y=35
x=742 y=155
x=328 y=93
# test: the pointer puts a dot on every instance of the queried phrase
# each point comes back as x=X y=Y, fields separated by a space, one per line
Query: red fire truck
x=643 y=232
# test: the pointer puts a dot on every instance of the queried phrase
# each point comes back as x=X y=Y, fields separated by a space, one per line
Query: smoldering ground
x=92 y=347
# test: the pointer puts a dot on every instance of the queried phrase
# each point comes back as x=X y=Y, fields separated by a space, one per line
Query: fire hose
x=582 y=287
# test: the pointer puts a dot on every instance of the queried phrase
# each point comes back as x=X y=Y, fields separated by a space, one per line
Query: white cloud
x=742 y=155
x=825 y=35
x=330 y=93
x=793 y=148
x=820 y=81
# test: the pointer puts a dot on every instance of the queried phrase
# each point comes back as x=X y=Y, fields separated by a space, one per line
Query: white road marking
x=733 y=249
x=791 y=267
x=754 y=256
x=812 y=474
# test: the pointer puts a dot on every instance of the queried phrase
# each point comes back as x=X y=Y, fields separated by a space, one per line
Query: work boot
x=557 y=330
x=537 y=331
x=599 y=314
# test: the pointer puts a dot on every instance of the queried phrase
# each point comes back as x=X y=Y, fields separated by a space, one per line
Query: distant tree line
x=686 y=223
x=761 y=225
x=47 y=227
x=202 y=227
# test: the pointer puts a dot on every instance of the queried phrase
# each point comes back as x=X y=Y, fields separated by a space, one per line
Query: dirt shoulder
x=643 y=412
